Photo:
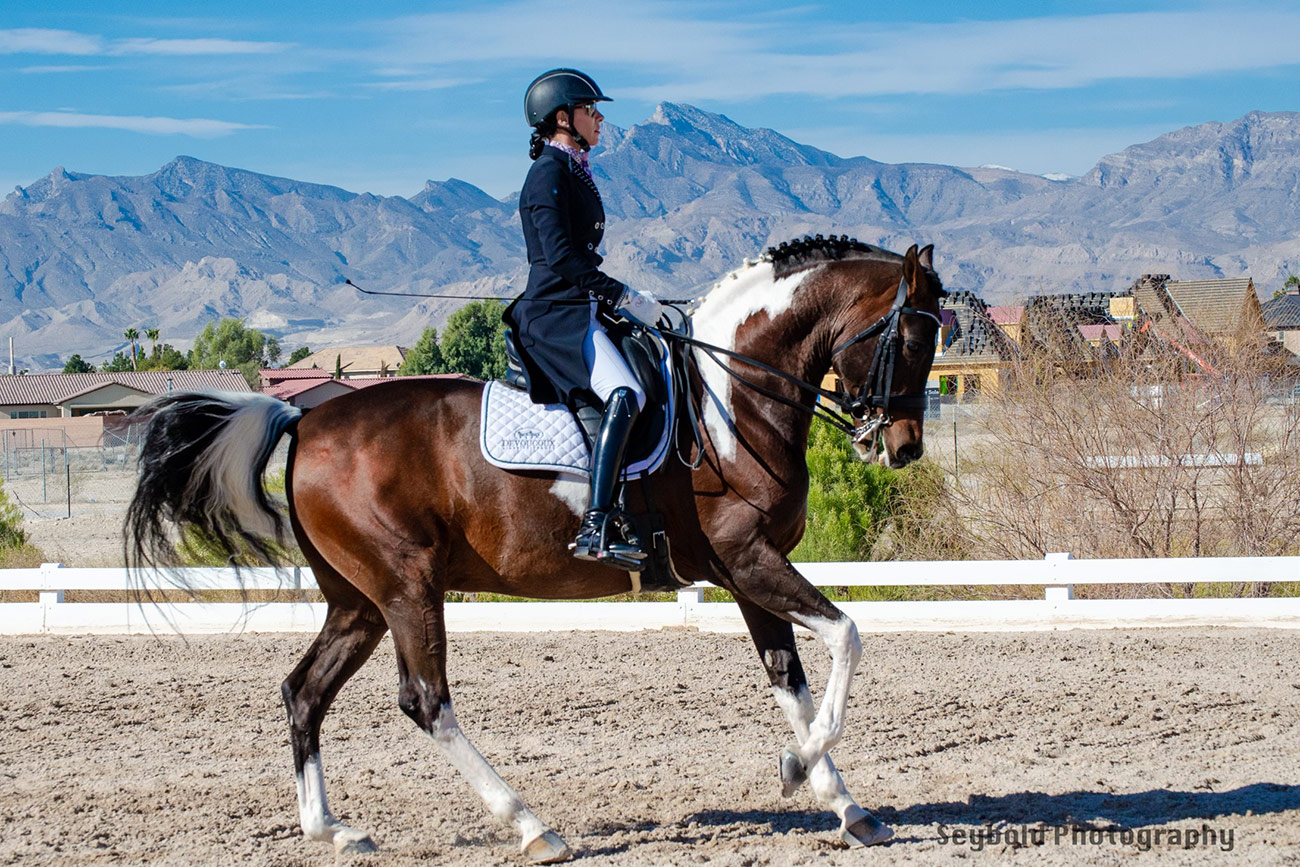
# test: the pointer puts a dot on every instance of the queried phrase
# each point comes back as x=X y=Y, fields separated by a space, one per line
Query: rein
x=874 y=393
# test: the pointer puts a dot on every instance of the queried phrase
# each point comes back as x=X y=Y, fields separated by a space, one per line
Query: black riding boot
x=601 y=537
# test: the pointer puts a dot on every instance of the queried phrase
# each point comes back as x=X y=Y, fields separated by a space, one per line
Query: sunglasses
x=590 y=108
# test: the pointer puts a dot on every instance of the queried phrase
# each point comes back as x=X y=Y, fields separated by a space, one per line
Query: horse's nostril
x=910 y=452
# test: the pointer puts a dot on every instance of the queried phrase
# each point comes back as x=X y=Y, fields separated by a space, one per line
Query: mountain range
x=689 y=195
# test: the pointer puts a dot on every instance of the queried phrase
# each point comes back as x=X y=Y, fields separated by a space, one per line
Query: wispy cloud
x=40 y=41
x=193 y=127
x=49 y=70
x=44 y=41
x=420 y=84
x=713 y=51
x=192 y=47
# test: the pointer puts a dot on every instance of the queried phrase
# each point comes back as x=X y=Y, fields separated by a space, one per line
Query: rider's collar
x=578 y=156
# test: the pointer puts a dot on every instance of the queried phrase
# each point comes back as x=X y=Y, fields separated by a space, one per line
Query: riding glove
x=640 y=307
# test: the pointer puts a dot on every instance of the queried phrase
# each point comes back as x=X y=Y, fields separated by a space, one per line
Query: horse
x=393 y=506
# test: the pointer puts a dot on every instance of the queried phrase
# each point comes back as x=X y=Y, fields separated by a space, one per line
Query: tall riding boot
x=600 y=537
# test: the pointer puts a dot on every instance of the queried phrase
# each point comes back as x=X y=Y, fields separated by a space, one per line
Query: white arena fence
x=1059 y=573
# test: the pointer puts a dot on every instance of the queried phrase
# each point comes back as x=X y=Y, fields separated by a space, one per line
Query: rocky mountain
x=689 y=195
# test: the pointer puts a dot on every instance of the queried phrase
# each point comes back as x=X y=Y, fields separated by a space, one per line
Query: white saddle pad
x=517 y=434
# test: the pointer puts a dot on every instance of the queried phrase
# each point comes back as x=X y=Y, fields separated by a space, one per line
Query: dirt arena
x=660 y=748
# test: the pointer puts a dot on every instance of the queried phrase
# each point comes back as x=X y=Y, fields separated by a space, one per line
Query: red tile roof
x=295 y=387
x=54 y=388
x=1008 y=315
x=1110 y=331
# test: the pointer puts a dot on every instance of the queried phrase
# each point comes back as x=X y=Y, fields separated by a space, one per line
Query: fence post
x=1059 y=592
x=687 y=599
x=50 y=594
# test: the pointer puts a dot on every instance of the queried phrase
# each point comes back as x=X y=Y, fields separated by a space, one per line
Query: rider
x=570 y=357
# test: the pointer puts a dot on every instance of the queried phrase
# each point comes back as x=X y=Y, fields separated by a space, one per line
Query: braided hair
x=541 y=133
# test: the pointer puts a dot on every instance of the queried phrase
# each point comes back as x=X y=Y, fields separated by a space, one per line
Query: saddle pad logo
x=529 y=439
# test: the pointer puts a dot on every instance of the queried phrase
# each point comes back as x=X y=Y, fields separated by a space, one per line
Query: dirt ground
x=660 y=748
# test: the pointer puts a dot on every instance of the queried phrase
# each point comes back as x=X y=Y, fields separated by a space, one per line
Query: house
x=70 y=395
x=1226 y=312
x=306 y=389
x=974 y=351
x=71 y=408
x=1282 y=319
x=357 y=362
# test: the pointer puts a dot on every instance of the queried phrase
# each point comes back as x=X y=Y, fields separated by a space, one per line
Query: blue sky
x=379 y=97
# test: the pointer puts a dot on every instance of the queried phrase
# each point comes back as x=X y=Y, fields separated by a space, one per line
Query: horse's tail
x=201 y=466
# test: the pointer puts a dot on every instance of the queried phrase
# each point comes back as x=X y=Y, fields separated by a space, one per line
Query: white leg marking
x=827 y=784
x=502 y=801
x=826 y=729
x=571 y=492
x=318 y=823
x=727 y=306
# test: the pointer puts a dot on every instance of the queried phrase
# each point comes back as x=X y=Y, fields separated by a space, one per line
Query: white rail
x=1057 y=573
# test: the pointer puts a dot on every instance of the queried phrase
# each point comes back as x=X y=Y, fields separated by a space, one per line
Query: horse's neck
x=772 y=321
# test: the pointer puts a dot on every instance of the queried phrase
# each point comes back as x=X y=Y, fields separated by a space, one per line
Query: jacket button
x=591 y=246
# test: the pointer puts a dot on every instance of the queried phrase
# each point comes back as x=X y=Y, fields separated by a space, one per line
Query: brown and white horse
x=393 y=506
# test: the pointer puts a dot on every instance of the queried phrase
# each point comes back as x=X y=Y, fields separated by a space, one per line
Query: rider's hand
x=640 y=307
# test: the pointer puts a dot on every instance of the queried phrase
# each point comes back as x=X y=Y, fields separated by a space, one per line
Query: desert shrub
x=861 y=511
x=1148 y=456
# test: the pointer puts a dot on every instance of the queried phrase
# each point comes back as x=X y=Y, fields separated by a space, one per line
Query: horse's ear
x=926 y=257
x=909 y=266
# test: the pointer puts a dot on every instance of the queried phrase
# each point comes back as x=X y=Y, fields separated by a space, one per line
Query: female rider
x=563 y=345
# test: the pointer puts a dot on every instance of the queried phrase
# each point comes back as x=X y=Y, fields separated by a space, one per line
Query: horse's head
x=883 y=355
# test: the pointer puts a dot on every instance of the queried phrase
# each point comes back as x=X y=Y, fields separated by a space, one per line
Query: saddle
x=517 y=434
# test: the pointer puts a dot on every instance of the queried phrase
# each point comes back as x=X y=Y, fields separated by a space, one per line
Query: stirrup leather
x=607 y=537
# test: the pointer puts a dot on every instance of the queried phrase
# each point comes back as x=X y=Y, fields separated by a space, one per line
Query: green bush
x=854 y=506
x=12 y=534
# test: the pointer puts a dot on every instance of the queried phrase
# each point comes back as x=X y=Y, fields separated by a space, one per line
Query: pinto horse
x=393 y=506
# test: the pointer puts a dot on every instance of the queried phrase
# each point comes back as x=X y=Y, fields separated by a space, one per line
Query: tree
x=424 y=357
x=165 y=357
x=229 y=341
x=338 y=366
x=77 y=364
x=273 y=350
x=473 y=341
x=119 y=364
x=132 y=335
x=299 y=354
x=153 y=334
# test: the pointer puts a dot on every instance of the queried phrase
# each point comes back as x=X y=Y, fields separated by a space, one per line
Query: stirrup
x=599 y=544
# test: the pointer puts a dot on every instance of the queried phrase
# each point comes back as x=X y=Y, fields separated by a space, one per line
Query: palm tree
x=132 y=335
x=152 y=334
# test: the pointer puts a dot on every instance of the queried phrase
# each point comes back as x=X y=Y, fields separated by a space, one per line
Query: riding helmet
x=559 y=88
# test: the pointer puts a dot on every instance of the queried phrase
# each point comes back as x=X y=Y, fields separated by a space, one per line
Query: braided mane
x=790 y=256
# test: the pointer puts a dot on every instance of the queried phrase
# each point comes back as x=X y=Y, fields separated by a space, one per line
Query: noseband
x=875 y=392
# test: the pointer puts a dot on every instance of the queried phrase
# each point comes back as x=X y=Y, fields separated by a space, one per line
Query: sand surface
x=659 y=748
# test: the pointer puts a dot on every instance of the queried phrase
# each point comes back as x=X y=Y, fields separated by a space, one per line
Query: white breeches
x=606 y=365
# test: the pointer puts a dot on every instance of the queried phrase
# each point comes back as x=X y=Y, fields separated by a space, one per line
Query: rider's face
x=586 y=120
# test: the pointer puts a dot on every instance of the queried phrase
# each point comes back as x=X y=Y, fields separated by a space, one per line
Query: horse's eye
x=913 y=345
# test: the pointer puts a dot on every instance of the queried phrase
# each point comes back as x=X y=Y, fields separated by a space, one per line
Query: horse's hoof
x=793 y=773
x=867 y=831
x=351 y=842
x=547 y=849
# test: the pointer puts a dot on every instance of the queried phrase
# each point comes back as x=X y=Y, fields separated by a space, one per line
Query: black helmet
x=559 y=88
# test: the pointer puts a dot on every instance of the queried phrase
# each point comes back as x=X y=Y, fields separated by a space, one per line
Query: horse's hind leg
x=345 y=642
x=774 y=639
x=420 y=635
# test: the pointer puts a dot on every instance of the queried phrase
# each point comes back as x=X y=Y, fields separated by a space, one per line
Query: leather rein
x=852 y=417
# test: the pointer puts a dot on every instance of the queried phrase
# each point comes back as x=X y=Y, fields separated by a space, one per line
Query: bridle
x=875 y=392
x=854 y=416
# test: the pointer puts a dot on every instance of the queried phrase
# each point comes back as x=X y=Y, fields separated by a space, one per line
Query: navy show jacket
x=563 y=221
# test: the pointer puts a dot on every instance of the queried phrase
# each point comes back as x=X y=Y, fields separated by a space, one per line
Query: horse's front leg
x=774 y=639
x=768 y=580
